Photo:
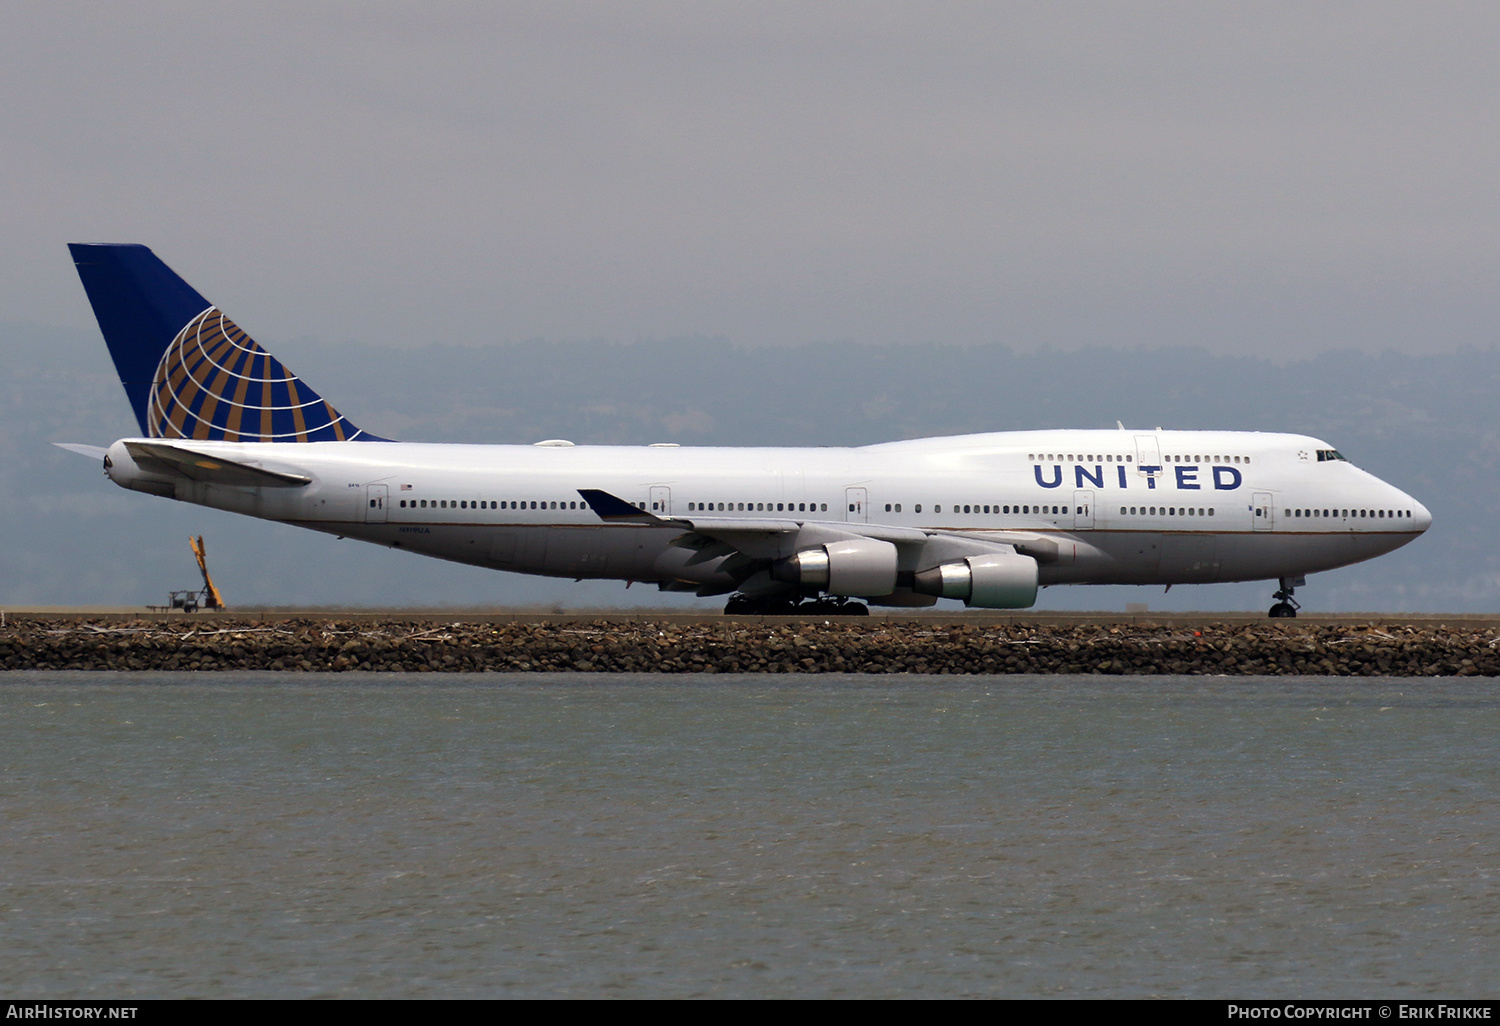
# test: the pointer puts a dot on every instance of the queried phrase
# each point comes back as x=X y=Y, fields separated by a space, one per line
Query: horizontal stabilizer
x=92 y=451
x=159 y=457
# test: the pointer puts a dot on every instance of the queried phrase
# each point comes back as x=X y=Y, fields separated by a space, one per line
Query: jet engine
x=863 y=567
x=996 y=580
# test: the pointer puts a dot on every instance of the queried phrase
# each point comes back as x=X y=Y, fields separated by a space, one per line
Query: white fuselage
x=1092 y=507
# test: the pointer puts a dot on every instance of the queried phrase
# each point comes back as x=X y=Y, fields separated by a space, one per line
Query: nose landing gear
x=1286 y=607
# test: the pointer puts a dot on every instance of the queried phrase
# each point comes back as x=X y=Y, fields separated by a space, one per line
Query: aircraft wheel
x=828 y=605
x=744 y=605
x=1283 y=610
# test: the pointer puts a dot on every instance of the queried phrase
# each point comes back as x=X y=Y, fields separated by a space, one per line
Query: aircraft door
x=661 y=500
x=1265 y=512
x=376 y=496
x=857 y=506
x=1083 y=510
x=1147 y=454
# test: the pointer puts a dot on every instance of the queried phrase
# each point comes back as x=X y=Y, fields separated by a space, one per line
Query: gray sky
x=1263 y=178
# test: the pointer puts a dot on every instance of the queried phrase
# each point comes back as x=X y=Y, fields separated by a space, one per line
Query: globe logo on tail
x=215 y=382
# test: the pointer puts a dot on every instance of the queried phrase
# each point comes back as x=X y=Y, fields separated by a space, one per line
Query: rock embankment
x=741 y=647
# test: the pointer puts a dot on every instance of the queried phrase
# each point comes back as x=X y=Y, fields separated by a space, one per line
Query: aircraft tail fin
x=188 y=370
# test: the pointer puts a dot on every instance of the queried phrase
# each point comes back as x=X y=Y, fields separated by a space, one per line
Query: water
x=577 y=835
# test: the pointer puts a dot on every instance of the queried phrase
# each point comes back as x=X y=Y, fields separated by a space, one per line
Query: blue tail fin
x=188 y=370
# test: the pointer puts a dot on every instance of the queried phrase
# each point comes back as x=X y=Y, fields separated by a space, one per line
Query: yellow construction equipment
x=211 y=597
x=190 y=600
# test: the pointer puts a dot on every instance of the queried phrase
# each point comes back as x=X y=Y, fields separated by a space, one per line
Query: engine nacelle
x=863 y=567
x=997 y=580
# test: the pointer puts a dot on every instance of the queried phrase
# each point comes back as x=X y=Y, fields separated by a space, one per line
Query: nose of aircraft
x=1420 y=516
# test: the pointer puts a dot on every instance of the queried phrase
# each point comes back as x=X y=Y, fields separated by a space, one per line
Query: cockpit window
x=1326 y=455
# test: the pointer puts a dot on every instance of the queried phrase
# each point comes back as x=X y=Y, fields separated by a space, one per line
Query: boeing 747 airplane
x=983 y=519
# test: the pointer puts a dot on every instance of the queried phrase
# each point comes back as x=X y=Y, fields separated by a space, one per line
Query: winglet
x=614 y=510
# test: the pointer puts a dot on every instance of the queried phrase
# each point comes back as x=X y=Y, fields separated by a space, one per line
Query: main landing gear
x=1286 y=607
x=823 y=605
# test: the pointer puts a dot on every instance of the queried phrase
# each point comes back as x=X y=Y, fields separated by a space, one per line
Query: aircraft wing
x=613 y=509
x=738 y=528
x=766 y=538
x=197 y=466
